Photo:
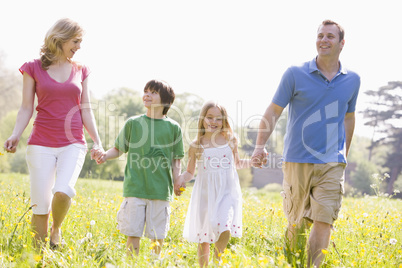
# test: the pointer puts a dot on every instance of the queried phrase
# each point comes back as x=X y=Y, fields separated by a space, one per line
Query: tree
x=384 y=115
x=361 y=178
x=10 y=89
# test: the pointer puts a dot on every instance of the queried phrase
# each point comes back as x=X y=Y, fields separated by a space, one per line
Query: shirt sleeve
x=123 y=139
x=178 y=151
x=27 y=67
x=353 y=100
x=85 y=72
x=285 y=91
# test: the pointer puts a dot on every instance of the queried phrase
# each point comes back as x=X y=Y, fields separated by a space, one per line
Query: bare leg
x=319 y=239
x=39 y=224
x=133 y=245
x=203 y=254
x=292 y=235
x=60 y=205
x=221 y=244
x=157 y=248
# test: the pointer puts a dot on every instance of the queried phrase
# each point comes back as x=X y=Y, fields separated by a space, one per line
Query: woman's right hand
x=11 y=144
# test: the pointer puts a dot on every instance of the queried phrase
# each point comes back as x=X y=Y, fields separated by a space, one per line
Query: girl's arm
x=24 y=114
x=240 y=163
x=189 y=173
x=88 y=118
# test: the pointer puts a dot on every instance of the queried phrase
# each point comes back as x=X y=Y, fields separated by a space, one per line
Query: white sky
x=231 y=51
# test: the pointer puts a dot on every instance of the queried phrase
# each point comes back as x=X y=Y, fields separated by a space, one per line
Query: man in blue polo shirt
x=321 y=95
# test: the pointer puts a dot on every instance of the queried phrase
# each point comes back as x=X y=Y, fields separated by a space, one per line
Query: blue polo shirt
x=317 y=107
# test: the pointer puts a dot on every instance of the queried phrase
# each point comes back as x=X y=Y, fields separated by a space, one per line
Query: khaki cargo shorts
x=312 y=191
x=135 y=214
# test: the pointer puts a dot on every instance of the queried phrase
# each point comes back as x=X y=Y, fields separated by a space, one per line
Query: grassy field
x=367 y=234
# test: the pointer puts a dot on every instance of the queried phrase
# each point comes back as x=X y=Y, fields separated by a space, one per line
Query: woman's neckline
x=68 y=79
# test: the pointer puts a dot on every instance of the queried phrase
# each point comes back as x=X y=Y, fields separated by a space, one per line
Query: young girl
x=215 y=209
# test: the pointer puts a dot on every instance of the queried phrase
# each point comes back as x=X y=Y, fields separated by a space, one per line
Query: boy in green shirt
x=154 y=146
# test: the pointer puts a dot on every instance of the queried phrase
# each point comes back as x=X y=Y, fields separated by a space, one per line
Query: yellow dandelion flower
x=182 y=189
x=3 y=218
x=37 y=258
x=324 y=251
x=1 y=153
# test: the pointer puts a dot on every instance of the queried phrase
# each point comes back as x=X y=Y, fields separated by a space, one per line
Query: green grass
x=363 y=237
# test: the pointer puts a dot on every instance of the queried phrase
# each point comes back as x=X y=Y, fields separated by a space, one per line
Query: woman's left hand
x=97 y=152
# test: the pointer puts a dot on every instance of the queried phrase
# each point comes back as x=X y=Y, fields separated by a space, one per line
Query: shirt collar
x=313 y=67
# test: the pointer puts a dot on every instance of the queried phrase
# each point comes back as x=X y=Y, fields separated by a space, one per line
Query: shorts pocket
x=167 y=213
x=339 y=202
x=121 y=216
x=287 y=199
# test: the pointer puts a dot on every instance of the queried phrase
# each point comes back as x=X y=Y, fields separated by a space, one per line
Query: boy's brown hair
x=165 y=91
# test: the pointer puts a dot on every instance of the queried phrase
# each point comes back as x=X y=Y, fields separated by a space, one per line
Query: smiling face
x=151 y=98
x=328 y=44
x=213 y=120
x=71 y=47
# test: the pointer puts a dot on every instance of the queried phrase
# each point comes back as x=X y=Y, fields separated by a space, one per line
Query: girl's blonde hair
x=226 y=131
x=62 y=31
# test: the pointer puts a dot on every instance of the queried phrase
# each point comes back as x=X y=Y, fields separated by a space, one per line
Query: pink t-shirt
x=58 y=122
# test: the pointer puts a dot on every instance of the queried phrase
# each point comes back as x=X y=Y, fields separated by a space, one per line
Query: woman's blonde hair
x=62 y=31
x=226 y=131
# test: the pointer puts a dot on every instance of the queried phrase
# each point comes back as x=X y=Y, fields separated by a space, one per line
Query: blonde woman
x=56 y=147
x=215 y=209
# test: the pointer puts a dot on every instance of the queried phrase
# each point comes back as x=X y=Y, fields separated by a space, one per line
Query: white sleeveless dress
x=216 y=201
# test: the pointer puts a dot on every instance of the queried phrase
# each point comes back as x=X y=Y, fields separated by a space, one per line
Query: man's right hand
x=259 y=157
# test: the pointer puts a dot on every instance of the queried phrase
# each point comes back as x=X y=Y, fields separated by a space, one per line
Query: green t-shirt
x=151 y=146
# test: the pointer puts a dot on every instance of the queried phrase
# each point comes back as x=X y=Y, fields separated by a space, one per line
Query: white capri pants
x=53 y=170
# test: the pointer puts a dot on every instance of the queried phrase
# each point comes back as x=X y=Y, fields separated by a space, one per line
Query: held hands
x=98 y=154
x=259 y=157
x=179 y=185
x=10 y=145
